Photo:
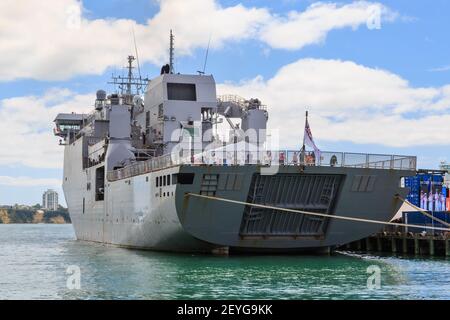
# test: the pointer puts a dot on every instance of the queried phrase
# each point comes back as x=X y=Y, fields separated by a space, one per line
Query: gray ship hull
x=136 y=213
x=134 y=171
x=360 y=193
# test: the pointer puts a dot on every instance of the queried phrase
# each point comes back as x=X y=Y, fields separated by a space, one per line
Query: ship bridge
x=68 y=123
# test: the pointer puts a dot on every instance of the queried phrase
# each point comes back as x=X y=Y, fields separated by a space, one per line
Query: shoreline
x=33 y=216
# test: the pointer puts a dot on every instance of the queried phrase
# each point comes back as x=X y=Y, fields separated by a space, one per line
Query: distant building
x=50 y=200
x=446 y=167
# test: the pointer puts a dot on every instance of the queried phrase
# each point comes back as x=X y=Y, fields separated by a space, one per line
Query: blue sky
x=411 y=48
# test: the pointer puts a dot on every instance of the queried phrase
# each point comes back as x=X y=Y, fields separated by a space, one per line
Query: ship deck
x=270 y=160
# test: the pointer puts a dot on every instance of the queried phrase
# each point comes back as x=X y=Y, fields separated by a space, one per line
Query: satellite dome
x=101 y=94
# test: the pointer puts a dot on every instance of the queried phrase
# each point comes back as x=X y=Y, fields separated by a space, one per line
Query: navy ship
x=134 y=165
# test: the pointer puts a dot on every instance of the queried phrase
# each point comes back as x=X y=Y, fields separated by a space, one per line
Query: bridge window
x=181 y=91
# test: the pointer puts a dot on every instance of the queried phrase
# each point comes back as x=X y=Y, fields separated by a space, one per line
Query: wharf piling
x=405 y=243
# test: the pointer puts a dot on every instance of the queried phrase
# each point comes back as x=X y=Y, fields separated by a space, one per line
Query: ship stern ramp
x=350 y=192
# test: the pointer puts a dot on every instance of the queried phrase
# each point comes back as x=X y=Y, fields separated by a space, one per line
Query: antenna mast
x=171 y=52
x=129 y=85
x=137 y=55
x=206 y=58
x=306 y=123
x=130 y=74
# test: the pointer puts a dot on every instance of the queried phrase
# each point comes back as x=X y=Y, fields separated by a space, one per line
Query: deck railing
x=268 y=158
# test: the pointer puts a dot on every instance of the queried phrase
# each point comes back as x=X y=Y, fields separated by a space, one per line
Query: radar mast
x=171 y=52
x=129 y=85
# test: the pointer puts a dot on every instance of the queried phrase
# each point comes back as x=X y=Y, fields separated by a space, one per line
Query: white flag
x=309 y=141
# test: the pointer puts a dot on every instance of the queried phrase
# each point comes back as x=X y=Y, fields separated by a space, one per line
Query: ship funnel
x=120 y=151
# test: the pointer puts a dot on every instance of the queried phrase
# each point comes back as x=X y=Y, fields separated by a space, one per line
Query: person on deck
x=442 y=201
x=430 y=202
x=437 y=207
x=333 y=161
x=423 y=200
x=313 y=158
x=281 y=158
x=295 y=158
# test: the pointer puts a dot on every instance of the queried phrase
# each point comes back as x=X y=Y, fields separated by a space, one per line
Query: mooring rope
x=423 y=212
x=316 y=213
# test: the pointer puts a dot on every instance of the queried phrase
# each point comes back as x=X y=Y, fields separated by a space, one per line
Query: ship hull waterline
x=135 y=213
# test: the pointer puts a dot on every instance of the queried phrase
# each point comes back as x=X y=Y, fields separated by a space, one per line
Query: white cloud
x=28 y=182
x=350 y=102
x=53 y=40
x=47 y=40
x=27 y=122
x=311 y=26
x=347 y=102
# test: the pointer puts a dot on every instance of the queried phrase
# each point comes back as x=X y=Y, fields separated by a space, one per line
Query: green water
x=34 y=259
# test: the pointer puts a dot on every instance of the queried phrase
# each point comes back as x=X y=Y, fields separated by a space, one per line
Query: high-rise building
x=50 y=200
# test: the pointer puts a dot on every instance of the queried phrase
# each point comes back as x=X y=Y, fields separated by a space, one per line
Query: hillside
x=12 y=215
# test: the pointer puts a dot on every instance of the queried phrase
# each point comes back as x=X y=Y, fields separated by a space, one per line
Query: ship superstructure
x=131 y=163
